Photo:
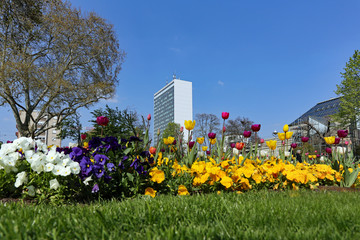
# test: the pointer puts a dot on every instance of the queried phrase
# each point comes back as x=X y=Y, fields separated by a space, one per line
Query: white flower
x=52 y=156
x=263 y=153
x=235 y=151
x=38 y=165
x=66 y=171
x=75 y=167
x=31 y=190
x=41 y=146
x=54 y=184
x=201 y=153
x=58 y=170
x=20 y=179
x=87 y=180
x=287 y=154
x=28 y=155
x=49 y=167
x=65 y=162
x=24 y=143
x=341 y=150
x=7 y=148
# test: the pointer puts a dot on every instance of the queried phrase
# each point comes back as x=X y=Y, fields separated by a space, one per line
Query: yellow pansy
x=213 y=141
x=330 y=140
x=281 y=136
x=157 y=175
x=189 y=125
x=286 y=128
x=200 y=140
x=271 y=144
x=288 y=135
x=86 y=145
x=226 y=181
x=150 y=191
x=204 y=148
x=183 y=190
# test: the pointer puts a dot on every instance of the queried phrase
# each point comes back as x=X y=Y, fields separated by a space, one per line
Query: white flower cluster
x=41 y=160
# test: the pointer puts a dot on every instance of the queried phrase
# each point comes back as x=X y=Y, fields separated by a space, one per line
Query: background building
x=172 y=103
x=49 y=137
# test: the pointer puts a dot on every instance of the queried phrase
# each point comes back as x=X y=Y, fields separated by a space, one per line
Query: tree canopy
x=53 y=60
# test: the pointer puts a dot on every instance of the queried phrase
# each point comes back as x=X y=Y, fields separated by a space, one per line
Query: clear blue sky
x=269 y=61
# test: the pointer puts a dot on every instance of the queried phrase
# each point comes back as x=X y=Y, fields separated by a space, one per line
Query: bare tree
x=206 y=123
x=235 y=128
x=54 y=60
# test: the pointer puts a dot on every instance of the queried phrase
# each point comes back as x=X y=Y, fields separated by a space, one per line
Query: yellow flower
x=86 y=144
x=204 y=148
x=271 y=144
x=330 y=140
x=182 y=190
x=151 y=192
x=157 y=175
x=288 y=135
x=286 y=128
x=213 y=141
x=189 y=125
x=226 y=181
x=200 y=140
x=166 y=142
x=281 y=136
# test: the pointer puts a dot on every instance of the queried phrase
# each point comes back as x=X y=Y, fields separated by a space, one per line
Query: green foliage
x=349 y=89
x=173 y=130
x=122 y=123
x=254 y=215
x=71 y=128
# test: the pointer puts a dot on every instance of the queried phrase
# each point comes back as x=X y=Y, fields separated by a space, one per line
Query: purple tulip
x=304 y=139
x=191 y=144
x=293 y=145
x=232 y=145
x=247 y=134
x=207 y=152
x=337 y=141
x=212 y=135
x=255 y=127
x=342 y=133
x=328 y=150
x=95 y=188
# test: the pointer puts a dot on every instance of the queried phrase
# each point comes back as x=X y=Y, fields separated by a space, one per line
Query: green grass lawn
x=253 y=215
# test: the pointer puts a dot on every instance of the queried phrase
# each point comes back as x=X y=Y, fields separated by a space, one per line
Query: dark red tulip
x=207 y=152
x=232 y=145
x=304 y=139
x=102 y=121
x=255 y=127
x=191 y=144
x=328 y=150
x=337 y=141
x=293 y=145
x=212 y=135
x=225 y=115
x=342 y=133
x=224 y=129
x=247 y=134
x=83 y=136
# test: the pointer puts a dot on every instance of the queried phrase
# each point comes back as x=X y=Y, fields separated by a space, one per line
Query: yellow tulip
x=271 y=144
x=330 y=140
x=288 y=135
x=170 y=140
x=204 y=148
x=286 y=128
x=166 y=142
x=200 y=140
x=281 y=136
x=213 y=141
x=189 y=125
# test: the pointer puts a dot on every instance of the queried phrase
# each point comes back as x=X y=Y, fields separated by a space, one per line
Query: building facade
x=172 y=103
x=50 y=136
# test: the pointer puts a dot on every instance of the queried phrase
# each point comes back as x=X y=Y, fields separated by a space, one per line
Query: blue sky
x=269 y=61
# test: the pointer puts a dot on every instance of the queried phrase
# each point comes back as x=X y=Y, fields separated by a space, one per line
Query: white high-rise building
x=173 y=103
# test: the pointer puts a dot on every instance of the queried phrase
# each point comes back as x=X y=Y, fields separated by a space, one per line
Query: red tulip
x=149 y=117
x=239 y=146
x=247 y=134
x=342 y=133
x=225 y=115
x=102 y=121
x=152 y=150
x=224 y=129
x=212 y=135
x=83 y=136
x=255 y=127
x=262 y=140
x=304 y=139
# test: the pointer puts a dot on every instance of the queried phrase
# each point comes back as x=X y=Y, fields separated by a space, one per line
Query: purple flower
x=212 y=135
x=304 y=139
x=76 y=152
x=247 y=134
x=110 y=167
x=342 y=133
x=102 y=121
x=255 y=127
x=99 y=170
x=337 y=141
x=100 y=159
x=86 y=165
x=191 y=144
x=207 y=152
x=95 y=188
x=328 y=150
x=232 y=145
x=293 y=145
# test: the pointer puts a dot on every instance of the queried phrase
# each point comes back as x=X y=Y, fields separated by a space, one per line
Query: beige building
x=50 y=136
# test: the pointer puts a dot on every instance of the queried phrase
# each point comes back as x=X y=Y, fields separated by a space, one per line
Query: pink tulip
x=346 y=142
x=262 y=140
x=225 y=115
x=181 y=129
